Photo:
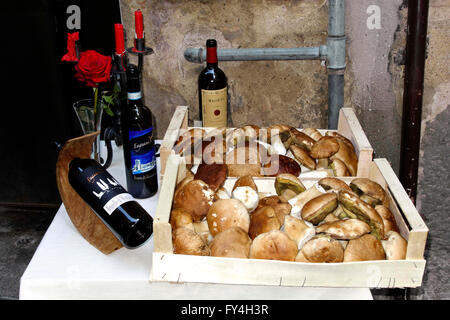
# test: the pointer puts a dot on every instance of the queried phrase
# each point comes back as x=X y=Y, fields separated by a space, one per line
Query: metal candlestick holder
x=140 y=50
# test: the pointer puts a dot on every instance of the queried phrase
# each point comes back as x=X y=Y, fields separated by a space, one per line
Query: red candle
x=139 y=24
x=120 y=42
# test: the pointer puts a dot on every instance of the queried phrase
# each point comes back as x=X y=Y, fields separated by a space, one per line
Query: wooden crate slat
x=161 y=227
x=372 y=274
x=349 y=126
x=179 y=121
x=409 y=210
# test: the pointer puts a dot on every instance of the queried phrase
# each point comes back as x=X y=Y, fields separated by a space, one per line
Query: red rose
x=93 y=68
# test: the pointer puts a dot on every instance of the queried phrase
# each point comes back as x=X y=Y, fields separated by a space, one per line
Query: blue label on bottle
x=142 y=151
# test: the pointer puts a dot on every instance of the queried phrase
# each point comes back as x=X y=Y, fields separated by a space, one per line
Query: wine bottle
x=138 y=141
x=118 y=210
x=212 y=90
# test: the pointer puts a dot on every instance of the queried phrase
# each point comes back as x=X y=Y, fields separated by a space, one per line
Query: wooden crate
x=171 y=267
x=348 y=126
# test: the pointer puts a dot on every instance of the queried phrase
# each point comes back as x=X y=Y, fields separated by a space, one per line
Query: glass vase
x=90 y=122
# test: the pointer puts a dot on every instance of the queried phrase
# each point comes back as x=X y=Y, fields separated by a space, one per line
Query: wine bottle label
x=214 y=108
x=116 y=201
x=134 y=95
x=106 y=189
x=142 y=151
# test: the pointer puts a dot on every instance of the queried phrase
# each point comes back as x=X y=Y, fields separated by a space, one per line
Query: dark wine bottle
x=212 y=90
x=118 y=210
x=138 y=141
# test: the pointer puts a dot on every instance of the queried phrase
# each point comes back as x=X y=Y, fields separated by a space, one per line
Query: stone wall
x=295 y=92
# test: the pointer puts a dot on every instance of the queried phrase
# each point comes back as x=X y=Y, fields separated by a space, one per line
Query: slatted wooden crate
x=171 y=267
x=348 y=126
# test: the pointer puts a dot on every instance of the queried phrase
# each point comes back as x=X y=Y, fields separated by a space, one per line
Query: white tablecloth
x=65 y=266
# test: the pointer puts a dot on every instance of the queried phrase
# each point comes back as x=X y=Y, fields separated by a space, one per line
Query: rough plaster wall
x=295 y=92
x=374 y=94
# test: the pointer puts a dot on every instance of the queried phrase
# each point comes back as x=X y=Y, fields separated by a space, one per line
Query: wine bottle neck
x=135 y=95
x=133 y=85
x=211 y=55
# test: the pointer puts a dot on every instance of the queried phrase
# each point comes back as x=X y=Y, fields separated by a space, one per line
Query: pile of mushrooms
x=269 y=151
x=329 y=222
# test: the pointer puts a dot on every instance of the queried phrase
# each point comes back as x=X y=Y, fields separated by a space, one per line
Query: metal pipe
x=413 y=94
x=336 y=62
x=198 y=55
x=335 y=98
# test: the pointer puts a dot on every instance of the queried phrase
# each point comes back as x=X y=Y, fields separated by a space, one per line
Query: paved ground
x=20 y=234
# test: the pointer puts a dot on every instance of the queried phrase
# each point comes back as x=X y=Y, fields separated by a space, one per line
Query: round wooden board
x=84 y=219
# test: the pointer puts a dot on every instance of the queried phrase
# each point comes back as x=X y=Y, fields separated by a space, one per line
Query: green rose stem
x=95 y=106
x=96 y=146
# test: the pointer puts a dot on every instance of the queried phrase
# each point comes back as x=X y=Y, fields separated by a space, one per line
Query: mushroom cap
x=334 y=184
x=251 y=131
x=348 y=156
x=187 y=241
x=245 y=160
x=278 y=164
x=300 y=257
x=273 y=245
x=282 y=208
x=299 y=201
x=340 y=137
x=298 y=230
x=362 y=211
x=280 y=130
x=324 y=148
x=195 y=197
x=313 y=133
x=181 y=218
x=389 y=222
x=302 y=156
x=263 y=220
x=270 y=201
x=214 y=175
x=395 y=246
x=232 y=242
x=323 y=249
x=339 y=168
x=344 y=229
x=365 y=186
x=227 y=213
x=214 y=151
x=245 y=181
x=316 y=209
x=301 y=139
x=216 y=133
x=188 y=178
x=289 y=181
x=365 y=248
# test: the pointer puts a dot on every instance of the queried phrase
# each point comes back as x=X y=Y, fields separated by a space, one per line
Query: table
x=66 y=266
